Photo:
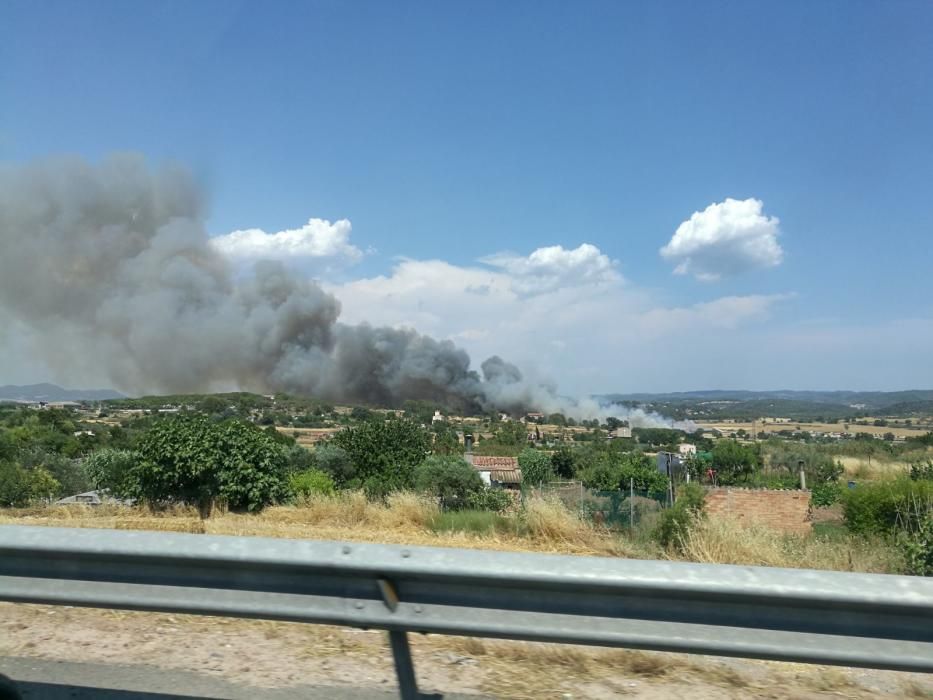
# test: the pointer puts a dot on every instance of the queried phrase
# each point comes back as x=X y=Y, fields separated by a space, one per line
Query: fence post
x=404 y=668
x=631 y=504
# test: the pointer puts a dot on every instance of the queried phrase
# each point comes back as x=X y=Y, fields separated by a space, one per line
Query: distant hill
x=876 y=399
x=53 y=392
x=801 y=405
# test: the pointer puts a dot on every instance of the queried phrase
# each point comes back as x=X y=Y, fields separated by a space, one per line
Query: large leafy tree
x=192 y=459
x=733 y=460
x=384 y=453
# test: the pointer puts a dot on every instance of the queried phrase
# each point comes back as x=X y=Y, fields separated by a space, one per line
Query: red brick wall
x=788 y=511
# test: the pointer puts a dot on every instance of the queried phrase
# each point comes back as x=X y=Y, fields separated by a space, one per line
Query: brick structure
x=787 y=511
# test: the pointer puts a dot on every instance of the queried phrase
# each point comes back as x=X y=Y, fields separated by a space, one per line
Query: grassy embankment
x=542 y=525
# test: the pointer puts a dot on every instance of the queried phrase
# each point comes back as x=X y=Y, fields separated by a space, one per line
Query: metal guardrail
x=869 y=620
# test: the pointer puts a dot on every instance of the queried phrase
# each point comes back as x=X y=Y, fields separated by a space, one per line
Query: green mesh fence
x=613 y=509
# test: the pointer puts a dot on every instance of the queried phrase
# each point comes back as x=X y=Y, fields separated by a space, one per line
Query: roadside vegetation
x=232 y=464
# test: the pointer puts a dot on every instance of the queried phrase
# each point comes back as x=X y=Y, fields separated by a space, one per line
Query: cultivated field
x=753 y=427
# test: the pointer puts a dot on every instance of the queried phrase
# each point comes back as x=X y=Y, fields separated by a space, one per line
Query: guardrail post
x=404 y=668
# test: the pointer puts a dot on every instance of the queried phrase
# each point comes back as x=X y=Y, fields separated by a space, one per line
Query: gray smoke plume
x=110 y=263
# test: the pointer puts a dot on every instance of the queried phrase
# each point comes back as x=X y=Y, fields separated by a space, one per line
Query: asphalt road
x=41 y=679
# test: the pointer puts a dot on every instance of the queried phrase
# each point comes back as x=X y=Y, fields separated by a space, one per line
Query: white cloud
x=569 y=325
x=725 y=239
x=317 y=239
x=549 y=268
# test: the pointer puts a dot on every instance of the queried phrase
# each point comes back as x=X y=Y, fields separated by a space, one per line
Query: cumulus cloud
x=318 y=239
x=593 y=332
x=725 y=239
x=549 y=268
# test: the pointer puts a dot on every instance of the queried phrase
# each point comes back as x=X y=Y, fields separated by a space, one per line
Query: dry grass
x=861 y=468
x=533 y=670
x=912 y=689
x=545 y=525
x=725 y=540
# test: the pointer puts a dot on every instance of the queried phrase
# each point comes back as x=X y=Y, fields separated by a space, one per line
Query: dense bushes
x=677 y=520
x=733 y=461
x=922 y=471
x=619 y=472
x=19 y=486
x=888 y=506
x=825 y=493
x=383 y=454
x=536 y=467
x=491 y=499
x=111 y=470
x=309 y=482
x=450 y=479
x=917 y=547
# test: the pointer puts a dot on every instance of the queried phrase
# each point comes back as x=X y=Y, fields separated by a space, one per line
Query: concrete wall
x=788 y=511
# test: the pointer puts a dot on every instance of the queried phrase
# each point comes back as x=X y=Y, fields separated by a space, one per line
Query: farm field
x=752 y=427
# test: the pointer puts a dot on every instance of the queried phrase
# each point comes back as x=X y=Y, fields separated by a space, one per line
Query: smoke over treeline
x=111 y=262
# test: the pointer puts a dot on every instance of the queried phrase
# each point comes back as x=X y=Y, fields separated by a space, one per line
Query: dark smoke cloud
x=110 y=263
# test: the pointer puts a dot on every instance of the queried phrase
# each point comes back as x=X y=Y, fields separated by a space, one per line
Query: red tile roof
x=489 y=462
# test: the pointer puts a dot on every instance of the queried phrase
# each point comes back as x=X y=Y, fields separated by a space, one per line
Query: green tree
x=384 y=453
x=511 y=432
x=733 y=460
x=536 y=467
x=334 y=461
x=450 y=479
x=212 y=404
x=557 y=419
x=111 y=470
x=563 y=463
x=446 y=441
x=194 y=460
x=359 y=413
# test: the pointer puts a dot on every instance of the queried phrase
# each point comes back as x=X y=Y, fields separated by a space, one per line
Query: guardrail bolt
x=346 y=549
x=418 y=609
x=406 y=553
x=358 y=605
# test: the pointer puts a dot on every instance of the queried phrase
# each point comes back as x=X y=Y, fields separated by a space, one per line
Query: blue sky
x=458 y=131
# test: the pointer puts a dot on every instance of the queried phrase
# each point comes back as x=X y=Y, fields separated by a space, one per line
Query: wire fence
x=614 y=509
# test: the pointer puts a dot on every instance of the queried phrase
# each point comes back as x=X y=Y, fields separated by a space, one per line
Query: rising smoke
x=110 y=263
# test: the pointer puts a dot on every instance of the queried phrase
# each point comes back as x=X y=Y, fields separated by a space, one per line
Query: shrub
x=536 y=467
x=384 y=454
x=618 y=472
x=922 y=471
x=110 y=470
x=298 y=459
x=887 y=506
x=825 y=493
x=334 y=461
x=918 y=548
x=563 y=463
x=677 y=520
x=19 y=486
x=448 y=478
x=489 y=498
x=311 y=481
